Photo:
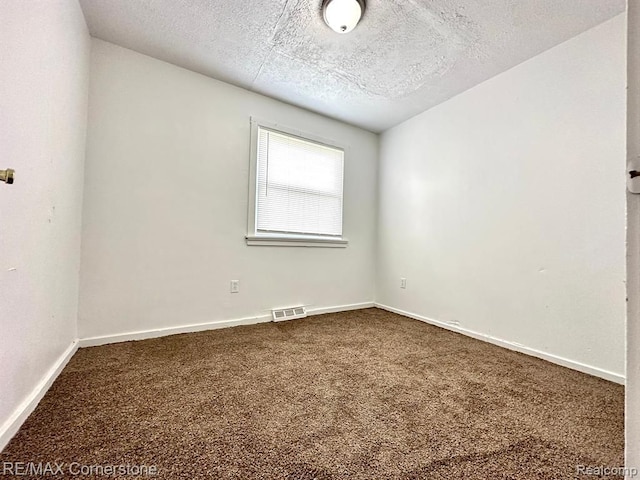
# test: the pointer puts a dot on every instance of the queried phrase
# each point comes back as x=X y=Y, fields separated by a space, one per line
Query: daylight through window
x=299 y=186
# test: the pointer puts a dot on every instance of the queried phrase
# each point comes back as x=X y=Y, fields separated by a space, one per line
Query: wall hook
x=633 y=175
x=6 y=176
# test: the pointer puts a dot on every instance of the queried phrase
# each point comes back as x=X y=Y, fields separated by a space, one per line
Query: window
x=296 y=189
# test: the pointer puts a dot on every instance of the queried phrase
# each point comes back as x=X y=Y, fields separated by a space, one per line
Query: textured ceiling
x=405 y=56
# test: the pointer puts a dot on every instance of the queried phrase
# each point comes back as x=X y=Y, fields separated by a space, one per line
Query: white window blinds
x=299 y=186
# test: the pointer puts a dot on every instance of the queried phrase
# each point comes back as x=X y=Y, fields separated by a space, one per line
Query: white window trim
x=280 y=239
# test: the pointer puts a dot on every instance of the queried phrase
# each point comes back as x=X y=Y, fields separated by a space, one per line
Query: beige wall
x=44 y=77
x=504 y=207
x=166 y=196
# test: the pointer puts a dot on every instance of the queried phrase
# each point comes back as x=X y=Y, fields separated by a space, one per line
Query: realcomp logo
x=602 y=470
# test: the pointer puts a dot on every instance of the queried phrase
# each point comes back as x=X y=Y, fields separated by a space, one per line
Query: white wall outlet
x=235 y=286
x=403 y=283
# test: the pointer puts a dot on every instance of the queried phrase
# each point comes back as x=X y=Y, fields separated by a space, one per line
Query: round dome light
x=342 y=16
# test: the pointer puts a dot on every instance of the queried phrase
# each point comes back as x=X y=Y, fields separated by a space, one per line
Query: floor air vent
x=288 y=313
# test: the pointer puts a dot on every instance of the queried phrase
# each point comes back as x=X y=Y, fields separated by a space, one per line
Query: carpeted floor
x=356 y=395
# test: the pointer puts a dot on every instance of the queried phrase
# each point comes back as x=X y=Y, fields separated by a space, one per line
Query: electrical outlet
x=403 y=283
x=235 y=286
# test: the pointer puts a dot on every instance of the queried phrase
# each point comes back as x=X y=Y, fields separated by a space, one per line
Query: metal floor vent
x=288 y=313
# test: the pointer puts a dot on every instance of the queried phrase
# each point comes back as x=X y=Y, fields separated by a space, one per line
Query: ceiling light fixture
x=342 y=16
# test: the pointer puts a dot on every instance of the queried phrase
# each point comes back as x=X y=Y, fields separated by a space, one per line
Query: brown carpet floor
x=356 y=395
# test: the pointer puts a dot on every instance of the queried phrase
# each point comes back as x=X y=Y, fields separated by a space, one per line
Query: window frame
x=254 y=238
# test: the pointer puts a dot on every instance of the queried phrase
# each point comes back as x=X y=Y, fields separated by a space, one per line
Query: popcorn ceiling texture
x=405 y=56
x=431 y=43
x=356 y=395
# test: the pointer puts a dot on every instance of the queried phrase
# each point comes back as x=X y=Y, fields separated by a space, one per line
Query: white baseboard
x=565 y=362
x=340 y=308
x=200 y=327
x=163 y=332
x=15 y=421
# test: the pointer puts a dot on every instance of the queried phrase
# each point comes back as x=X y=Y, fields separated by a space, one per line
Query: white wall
x=44 y=76
x=633 y=242
x=165 y=208
x=504 y=207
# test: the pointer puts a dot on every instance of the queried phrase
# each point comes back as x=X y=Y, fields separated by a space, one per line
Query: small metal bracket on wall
x=6 y=176
x=633 y=175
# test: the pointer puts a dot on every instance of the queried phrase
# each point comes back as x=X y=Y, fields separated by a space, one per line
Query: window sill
x=282 y=241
